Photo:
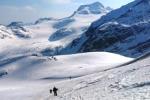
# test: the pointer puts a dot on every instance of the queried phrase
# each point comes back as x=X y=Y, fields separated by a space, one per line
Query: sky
x=30 y=10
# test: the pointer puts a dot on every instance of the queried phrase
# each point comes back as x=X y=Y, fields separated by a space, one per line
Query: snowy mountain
x=94 y=8
x=79 y=21
x=5 y=33
x=18 y=30
x=48 y=36
x=13 y=30
x=124 y=29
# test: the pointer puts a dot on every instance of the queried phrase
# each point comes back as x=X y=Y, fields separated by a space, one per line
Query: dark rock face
x=63 y=22
x=118 y=38
x=15 y=24
x=43 y=20
x=125 y=31
x=60 y=34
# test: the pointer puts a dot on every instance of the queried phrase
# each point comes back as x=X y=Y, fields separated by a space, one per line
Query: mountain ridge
x=117 y=31
x=47 y=36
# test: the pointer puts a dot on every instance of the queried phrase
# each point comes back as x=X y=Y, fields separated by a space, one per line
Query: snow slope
x=129 y=81
x=76 y=65
x=29 y=75
x=28 y=71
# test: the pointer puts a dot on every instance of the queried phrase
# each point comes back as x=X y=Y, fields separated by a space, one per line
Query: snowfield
x=30 y=77
x=33 y=60
x=59 y=67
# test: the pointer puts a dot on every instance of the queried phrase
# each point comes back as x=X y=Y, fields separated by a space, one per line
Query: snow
x=35 y=38
x=5 y=33
x=75 y=65
x=129 y=81
x=94 y=8
x=28 y=70
x=30 y=77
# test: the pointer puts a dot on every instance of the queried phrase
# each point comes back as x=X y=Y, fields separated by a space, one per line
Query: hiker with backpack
x=54 y=90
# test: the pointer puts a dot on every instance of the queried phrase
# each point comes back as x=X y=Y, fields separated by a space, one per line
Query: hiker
x=54 y=58
x=55 y=91
x=50 y=91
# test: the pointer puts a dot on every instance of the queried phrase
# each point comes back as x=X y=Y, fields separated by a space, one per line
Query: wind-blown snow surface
x=127 y=82
x=30 y=77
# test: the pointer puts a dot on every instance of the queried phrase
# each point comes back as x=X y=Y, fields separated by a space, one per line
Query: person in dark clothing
x=50 y=91
x=55 y=58
x=55 y=91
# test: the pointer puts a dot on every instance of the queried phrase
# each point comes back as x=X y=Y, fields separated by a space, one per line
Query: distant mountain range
x=49 y=36
x=124 y=31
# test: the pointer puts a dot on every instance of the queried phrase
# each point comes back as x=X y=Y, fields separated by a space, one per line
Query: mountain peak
x=94 y=8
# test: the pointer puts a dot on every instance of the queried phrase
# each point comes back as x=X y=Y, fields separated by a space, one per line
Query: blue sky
x=31 y=10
